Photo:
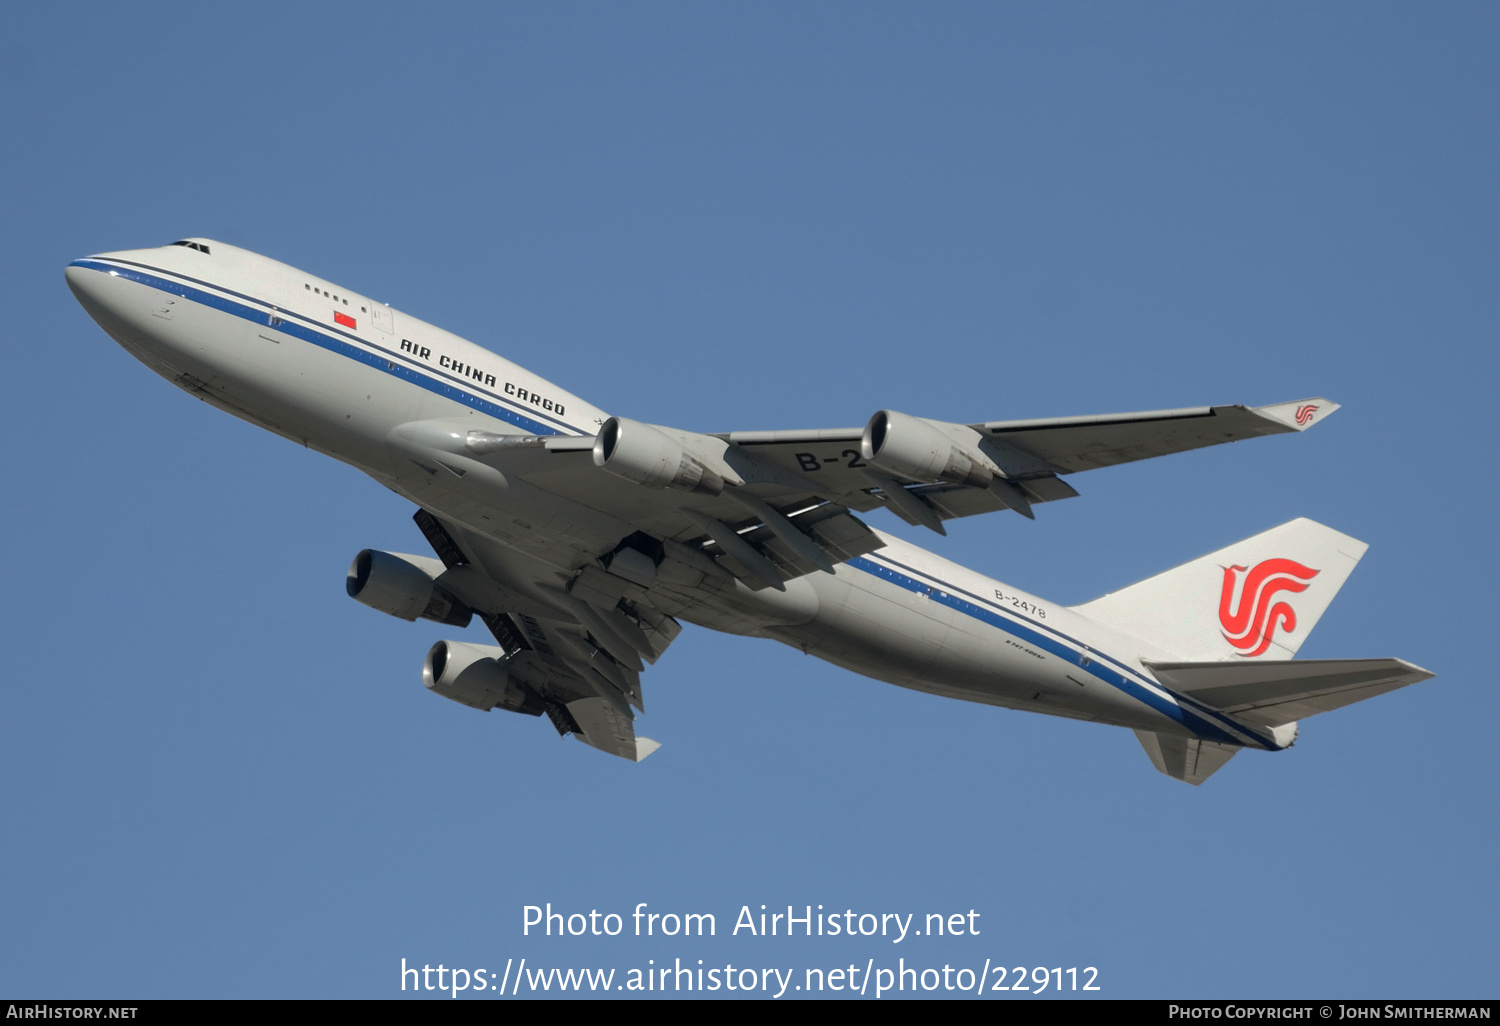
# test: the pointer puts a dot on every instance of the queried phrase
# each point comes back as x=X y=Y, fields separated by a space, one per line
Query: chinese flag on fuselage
x=344 y=319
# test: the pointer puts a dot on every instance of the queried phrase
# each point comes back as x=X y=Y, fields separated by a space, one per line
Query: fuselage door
x=380 y=316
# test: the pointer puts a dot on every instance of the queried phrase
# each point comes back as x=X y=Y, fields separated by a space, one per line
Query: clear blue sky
x=220 y=777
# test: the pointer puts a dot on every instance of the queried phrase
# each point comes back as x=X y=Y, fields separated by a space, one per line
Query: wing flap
x=954 y=501
x=603 y=725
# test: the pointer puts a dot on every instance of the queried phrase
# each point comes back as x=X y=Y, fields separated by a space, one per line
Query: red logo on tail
x=1249 y=624
x=1305 y=413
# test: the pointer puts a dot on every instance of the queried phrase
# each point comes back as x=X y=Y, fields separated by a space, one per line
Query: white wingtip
x=1300 y=415
x=644 y=746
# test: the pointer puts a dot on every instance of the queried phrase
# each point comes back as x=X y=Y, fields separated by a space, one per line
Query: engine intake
x=641 y=453
x=476 y=676
x=911 y=447
x=403 y=586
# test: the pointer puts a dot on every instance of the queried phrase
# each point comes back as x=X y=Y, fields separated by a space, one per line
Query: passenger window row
x=324 y=292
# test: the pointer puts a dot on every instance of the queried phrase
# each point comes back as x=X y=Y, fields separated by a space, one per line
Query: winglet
x=1300 y=415
x=644 y=746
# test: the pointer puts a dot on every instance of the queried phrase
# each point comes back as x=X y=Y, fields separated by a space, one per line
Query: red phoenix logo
x=1305 y=413
x=1250 y=622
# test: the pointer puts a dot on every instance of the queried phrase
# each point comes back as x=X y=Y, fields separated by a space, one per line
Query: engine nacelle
x=476 y=676
x=911 y=447
x=403 y=586
x=641 y=453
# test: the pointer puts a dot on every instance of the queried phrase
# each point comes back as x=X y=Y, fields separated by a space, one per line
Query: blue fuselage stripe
x=388 y=362
x=1201 y=726
x=1086 y=652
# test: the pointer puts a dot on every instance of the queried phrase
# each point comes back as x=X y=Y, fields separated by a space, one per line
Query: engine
x=476 y=676
x=404 y=586
x=646 y=455
x=911 y=447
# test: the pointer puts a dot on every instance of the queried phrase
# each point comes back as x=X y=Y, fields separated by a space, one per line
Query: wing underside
x=1083 y=443
x=584 y=689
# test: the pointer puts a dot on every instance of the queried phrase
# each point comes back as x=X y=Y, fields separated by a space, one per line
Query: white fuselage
x=339 y=373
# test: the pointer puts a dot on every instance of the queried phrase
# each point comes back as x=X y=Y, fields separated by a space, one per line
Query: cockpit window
x=191 y=245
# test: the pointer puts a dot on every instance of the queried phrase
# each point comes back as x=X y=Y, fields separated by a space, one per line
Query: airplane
x=582 y=540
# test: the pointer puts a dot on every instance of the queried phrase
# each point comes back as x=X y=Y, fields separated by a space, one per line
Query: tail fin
x=1255 y=599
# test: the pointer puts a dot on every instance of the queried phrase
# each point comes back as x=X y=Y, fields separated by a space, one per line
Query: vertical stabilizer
x=1256 y=599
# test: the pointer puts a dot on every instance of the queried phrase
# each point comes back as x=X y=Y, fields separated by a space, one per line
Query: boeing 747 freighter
x=581 y=540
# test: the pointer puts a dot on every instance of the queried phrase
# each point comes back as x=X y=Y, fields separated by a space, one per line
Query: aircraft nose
x=75 y=273
x=112 y=300
x=87 y=285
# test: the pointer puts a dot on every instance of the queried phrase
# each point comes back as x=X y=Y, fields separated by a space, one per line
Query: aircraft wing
x=550 y=642
x=1083 y=443
x=844 y=461
x=749 y=520
x=769 y=506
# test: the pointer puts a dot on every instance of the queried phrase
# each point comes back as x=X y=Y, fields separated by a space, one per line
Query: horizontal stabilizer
x=1185 y=758
x=1276 y=693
